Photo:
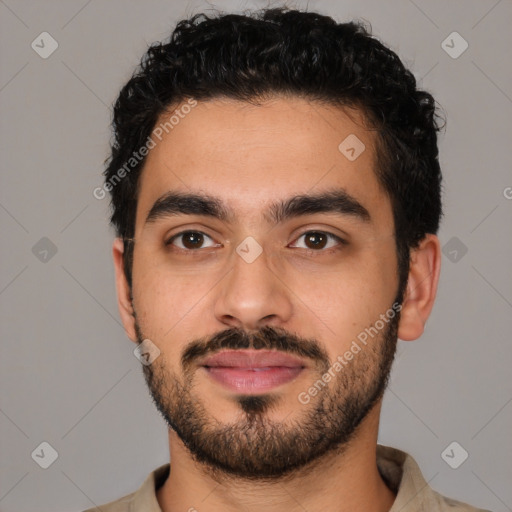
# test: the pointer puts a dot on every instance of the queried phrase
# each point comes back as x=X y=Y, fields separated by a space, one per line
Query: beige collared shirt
x=399 y=470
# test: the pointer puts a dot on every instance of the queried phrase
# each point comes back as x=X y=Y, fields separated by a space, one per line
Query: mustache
x=266 y=338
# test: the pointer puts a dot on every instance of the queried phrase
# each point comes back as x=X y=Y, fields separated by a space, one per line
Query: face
x=263 y=257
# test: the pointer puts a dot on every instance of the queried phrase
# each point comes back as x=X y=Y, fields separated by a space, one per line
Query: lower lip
x=245 y=380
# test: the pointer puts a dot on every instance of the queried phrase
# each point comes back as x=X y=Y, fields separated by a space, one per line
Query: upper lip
x=252 y=359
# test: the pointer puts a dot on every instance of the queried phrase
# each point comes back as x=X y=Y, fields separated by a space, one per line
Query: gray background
x=68 y=373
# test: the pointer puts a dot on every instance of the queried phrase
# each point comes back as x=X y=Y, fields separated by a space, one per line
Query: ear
x=425 y=267
x=123 y=291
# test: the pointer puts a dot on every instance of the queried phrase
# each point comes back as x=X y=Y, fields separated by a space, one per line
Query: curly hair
x=304 y=54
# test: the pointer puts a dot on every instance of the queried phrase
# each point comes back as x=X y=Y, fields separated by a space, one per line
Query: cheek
x=346 y=300
x=168 y=301
x=340 y=303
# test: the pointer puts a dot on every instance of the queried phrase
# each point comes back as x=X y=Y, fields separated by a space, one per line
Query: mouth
x=251 y=371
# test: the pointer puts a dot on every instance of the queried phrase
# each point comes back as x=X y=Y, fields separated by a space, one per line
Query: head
x=245 y=130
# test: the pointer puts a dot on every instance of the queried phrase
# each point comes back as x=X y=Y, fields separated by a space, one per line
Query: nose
x=252 y=295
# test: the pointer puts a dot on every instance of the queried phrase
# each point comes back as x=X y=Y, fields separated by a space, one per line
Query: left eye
x=316 y=240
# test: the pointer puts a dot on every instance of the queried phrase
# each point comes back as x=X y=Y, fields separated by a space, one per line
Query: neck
x=341 y=481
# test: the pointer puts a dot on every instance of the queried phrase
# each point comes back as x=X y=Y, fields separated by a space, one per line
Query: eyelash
x=308 y=251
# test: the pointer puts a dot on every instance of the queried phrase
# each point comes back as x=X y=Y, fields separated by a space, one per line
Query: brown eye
x=318 y=240
x=189 y=240
x=315 y=240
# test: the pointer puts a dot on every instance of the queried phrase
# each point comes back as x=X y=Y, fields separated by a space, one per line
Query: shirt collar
x=403 y=476
x=398 y=469
x=145 y=497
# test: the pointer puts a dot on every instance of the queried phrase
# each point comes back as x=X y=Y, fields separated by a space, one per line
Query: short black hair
x=259 y=54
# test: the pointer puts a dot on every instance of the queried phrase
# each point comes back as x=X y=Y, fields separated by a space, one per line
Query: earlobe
x=424 y=271
x=124 y=301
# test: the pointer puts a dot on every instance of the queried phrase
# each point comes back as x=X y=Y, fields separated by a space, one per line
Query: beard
x=255 y=447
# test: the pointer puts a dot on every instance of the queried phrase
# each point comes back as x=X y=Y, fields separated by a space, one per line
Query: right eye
x=189 y=241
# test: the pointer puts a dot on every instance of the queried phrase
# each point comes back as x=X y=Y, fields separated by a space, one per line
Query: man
x=276 y=196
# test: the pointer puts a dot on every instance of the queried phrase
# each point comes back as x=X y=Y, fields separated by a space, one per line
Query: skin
x=250 y=156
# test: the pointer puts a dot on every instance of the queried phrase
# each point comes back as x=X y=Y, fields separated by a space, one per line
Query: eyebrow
x=336 y=201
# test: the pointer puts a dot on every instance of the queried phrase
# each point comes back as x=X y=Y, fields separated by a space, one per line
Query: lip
x=252 y=371
x=252 y=359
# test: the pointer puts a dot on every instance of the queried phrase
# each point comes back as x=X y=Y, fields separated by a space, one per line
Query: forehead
x=254 y=155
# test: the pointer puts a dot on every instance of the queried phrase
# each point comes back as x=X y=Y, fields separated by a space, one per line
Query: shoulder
x=413 y=493
x=450 y=505
x=120 y=505
x=143 y=499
